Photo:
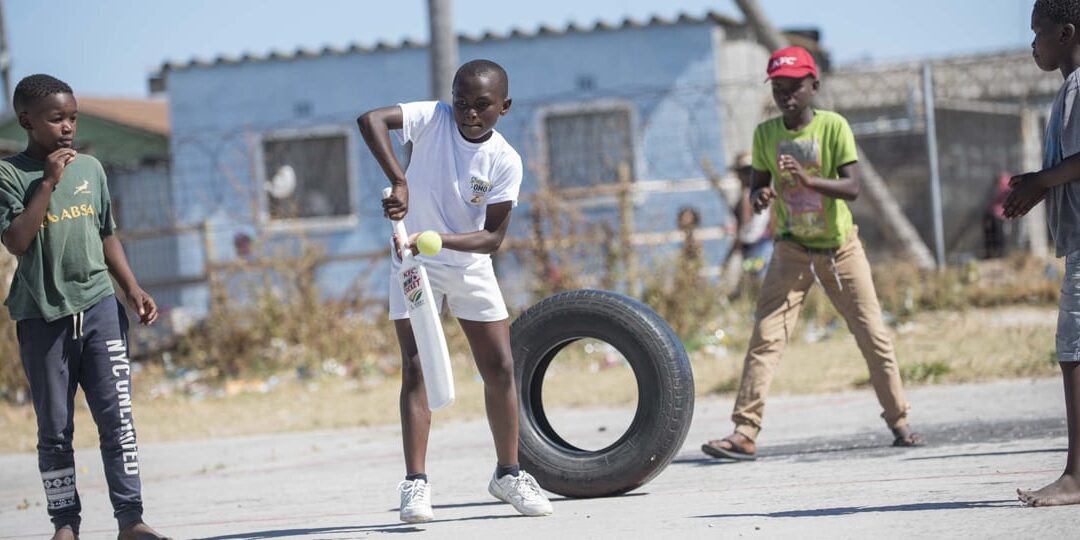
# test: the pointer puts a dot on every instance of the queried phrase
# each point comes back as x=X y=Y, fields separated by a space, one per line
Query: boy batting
x=462 y=182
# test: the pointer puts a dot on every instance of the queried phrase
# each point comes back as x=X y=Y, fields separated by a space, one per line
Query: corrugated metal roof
x=150 y=115
x=710 y=17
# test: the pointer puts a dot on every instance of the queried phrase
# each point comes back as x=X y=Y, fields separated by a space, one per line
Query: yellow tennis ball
x=429 y=243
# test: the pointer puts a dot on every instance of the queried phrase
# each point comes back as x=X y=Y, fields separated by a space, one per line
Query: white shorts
x=471 y=292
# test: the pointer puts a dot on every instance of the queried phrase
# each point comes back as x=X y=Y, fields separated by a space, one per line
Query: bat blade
x=426 y=327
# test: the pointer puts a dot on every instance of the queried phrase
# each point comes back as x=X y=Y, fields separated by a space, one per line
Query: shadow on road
x=848 y=510
x=810 y=450
x=487 y=503
x=983 y=454
x=874 y=444
x=317 y=531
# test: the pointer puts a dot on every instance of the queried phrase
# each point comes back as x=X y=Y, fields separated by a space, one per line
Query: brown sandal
x=729 y=448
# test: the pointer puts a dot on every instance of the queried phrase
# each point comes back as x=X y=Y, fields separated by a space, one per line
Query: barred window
x=307 y=174
x=586 y=146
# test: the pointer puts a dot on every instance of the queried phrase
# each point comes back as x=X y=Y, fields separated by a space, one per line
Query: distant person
x=56 y=218
x=462 y=182
x=805 y=164
x=994 y=224
x=688 y=219
x=1056 y=47
x=753 y=229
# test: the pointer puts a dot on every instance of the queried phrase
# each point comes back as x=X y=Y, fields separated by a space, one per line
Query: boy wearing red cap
x=805 y=165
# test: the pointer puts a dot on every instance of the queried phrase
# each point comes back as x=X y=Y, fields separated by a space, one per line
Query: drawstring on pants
x=832 y=260
x=77 y=321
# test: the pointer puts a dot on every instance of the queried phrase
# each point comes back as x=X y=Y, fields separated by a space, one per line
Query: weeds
x=924 y=372
x=269 y=316
x=1019 y=279
x=13 y=387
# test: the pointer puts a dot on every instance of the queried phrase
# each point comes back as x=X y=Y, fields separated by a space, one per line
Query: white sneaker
x=522 y=492
x=415 y=501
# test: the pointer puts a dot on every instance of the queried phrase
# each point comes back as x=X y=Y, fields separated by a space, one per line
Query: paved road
x=826 y=471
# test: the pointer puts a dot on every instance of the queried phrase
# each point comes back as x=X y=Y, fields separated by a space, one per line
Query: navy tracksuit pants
x=88 y=349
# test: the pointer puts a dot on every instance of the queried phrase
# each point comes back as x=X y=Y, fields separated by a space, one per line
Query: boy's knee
x=762 y=348
x=114 y=436
x=412 y=375
x=54 y=443
x=498 y=372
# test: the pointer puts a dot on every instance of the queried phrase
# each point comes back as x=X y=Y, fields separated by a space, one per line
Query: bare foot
x=1065 y=490
x=65 y=533
x=904 y=437
x=140 y=531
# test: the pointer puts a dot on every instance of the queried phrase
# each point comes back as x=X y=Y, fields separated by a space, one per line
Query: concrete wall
x=973 y=149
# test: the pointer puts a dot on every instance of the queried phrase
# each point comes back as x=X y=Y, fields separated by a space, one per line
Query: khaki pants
x=844 y=273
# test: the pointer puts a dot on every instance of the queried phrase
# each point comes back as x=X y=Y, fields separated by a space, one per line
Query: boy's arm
x=1030 y=188
x=845 y=187
x=138 y=299
x=375 y=126
x=486 y=240
x=744 y=211
x=25 y=226
x=761 y=191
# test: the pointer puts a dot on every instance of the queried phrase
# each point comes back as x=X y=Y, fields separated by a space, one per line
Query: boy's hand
x=397 y=204
x=761 y=197
x=792 y=166
x=410 y=244
x=140 y=301
x=1027 y=191
x=55 y=164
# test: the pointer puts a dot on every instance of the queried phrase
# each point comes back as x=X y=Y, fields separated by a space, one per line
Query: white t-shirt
x=451 y=180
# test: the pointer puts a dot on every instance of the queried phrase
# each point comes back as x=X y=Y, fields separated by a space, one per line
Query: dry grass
x=12 y=381
x=936 y=347
x=336 y=364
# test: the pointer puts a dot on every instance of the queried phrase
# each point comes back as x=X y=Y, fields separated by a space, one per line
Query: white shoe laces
x=526 y=487
x=413 y=491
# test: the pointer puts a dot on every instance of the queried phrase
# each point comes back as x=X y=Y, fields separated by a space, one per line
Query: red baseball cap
x=794 y=62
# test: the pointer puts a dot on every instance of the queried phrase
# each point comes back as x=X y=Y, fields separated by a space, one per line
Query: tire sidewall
x=665 y=392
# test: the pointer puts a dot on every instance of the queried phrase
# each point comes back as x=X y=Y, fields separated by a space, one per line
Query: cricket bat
x=427 y=328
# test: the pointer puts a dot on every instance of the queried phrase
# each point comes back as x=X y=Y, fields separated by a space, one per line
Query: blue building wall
x=667 y=74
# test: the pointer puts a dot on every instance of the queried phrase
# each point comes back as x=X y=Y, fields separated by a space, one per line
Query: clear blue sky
x=109 y=47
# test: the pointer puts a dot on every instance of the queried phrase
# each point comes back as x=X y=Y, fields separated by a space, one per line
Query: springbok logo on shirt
x=84 y=187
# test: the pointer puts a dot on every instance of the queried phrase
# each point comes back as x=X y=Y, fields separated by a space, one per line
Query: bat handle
x=399 y=229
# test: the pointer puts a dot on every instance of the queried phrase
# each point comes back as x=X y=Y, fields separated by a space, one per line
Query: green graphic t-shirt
x=63 y=272
x=803 y=215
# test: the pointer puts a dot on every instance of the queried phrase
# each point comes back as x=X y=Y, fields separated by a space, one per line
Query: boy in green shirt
x=804 y=163
x=56 y=218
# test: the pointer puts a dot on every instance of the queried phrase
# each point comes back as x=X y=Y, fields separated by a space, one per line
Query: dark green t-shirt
x=63 y=272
